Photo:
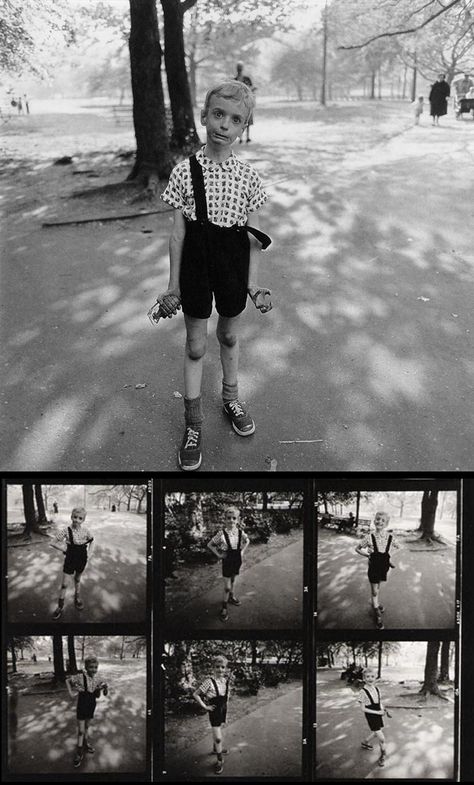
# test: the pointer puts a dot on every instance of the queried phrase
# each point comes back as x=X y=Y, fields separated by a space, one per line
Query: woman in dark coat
x=438 y=97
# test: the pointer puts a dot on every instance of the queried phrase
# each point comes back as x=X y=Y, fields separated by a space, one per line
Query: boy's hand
x=209 y=707
x=170 y=303
x=388 y=714
x=260 y=297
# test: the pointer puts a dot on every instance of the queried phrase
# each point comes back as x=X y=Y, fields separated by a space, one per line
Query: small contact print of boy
x=233 y=708
x=234 y=561
x=387 y=559
x=75 y=703
x=385 y=710
x=76 y=553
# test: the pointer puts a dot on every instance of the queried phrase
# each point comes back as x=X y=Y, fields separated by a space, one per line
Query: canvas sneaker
x=189 y=454
x=241 y=420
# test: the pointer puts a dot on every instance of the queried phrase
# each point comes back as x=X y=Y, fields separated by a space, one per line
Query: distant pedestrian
x=370 y=700
x=229 y=545
x=88 y=687
x=19 y=105
x=418 y=109
x=213 y=696
x=27 y=103
x=439 y=94
x=76 y=542
x=215 y=197
x=376 y=547
x=55 y=508
x=241 y=77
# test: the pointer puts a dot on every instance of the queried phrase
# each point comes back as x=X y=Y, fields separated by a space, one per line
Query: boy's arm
x=198 y=699
x=246 y=542
x=58 y=545
x=214 y=550
x=90 y=549
x=361 y=549
x=70 y=687
x=259 y=295
x=171 y=298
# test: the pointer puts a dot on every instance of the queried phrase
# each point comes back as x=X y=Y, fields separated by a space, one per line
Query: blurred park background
x=42 y=728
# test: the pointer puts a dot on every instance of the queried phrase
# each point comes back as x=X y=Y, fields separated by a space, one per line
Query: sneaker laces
x=192 y=438
x=237 y=408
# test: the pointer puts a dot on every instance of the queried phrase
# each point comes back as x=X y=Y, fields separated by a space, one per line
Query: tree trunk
x=184 y=135
x=122 y=647
x=40 y=505
x=357 y=507
x=264 y=501
x=430 y=683
x=153 y=158
x=29 y=509
x=444 y=667
x=429 y=504
x=71 y=653
x=372 y=85
x=379 y=669
x=12 y=649
x=58 y=658
x=184 y=665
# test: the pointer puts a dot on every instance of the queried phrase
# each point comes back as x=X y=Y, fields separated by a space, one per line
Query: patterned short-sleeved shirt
x=374 y=693
x=79 y=536
x=233 y=190
x=381 y=538
x=219 y=541
x=207 y=690
x=77 y=682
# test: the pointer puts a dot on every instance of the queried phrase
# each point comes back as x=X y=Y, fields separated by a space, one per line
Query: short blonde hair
x=90 y=658
x=231 y=90
x=78 y=509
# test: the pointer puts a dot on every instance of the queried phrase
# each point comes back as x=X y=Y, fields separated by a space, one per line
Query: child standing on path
x=213 y=695
x=214 y=253
x=229 y=544
x=376 y=547
x=370 y=700
x=76 y=542
x=418 y=109
x=88 y=688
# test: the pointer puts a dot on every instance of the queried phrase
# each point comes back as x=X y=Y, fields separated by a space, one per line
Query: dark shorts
x=375 y=721
x=378 y=567
x=231 y=564
x=86 y=703
x=214 y=264
x=218 y=716
x=75 y=560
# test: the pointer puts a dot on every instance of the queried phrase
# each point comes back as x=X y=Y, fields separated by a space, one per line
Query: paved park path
x=264 y=743
x=419 y=592
x=420 y=742
x=365 y=363
x=113 y=587
x=271 y=593
x=45 y=741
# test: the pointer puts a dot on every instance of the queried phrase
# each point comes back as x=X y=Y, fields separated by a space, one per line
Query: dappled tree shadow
x=46 y=735
x=362 y=365
x=113 y=587
x=419 y=592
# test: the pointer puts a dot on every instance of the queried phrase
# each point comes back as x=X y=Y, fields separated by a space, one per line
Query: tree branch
x=187 y=4
x=403 y=32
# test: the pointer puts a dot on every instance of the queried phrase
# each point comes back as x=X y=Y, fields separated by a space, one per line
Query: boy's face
x=92 y=668
x=380 y=520
x=220 y=667
x=225 y=120
x=369 y=677
x=77 y=518
x=232 y=517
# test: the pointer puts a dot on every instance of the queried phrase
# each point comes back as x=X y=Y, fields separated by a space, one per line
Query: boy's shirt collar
x=208 y=163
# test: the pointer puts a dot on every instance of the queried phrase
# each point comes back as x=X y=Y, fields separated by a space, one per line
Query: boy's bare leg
x=232 y=598
x=61 y=596
x=217 y=743
x=228 y=336
x=225 y=599
x=196 y=346
x=77 y=586
x=81 y=726
x=366 y=743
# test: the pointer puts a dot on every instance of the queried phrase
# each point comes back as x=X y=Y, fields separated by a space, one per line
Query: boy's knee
x=226 y=337
x=196 y=348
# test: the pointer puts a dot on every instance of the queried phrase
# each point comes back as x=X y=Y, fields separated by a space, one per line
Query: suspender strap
x=389 y=542
x=262 y=238
x=240 y=539
x=197 y=179
x=227 y=689
x=214 y=684
x=226 y=537
x=71 y=538
x=374 y=543
x=85 y=681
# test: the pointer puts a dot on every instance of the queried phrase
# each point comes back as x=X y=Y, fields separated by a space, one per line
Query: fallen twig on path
x=104 y=218
x=300 y=441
